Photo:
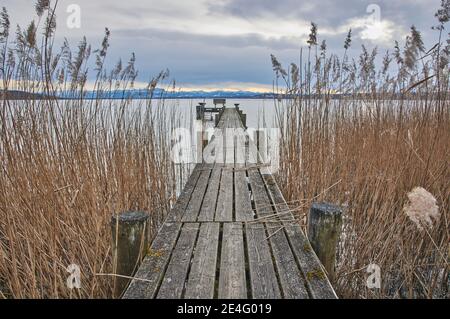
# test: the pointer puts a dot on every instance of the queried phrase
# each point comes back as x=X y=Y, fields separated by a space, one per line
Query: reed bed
x=68 y=164
x=367 y=150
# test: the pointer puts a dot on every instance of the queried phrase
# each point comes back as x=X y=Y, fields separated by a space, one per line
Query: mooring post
x=324 y=229
x=241 y=115
x=216 y=119
x=199 y=112
x=261 y=145
x=244 y=119
x=205 y=140
x=200 y=130
x=199 y=140
x=129 y=244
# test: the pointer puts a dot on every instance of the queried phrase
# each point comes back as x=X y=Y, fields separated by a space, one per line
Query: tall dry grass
x=366 y=150
x=68 y=164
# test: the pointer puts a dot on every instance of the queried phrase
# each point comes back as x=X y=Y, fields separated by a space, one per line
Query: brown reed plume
x=368 y=135
x=68 y=164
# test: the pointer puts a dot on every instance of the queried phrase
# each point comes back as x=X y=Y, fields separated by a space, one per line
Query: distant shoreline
x=162 y=95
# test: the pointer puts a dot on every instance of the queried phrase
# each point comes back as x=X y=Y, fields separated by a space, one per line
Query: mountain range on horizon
x=159 y=93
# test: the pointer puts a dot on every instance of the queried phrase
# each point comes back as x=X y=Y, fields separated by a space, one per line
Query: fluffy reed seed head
x=422 y=208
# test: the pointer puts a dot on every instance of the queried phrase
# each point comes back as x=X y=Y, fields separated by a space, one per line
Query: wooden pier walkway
x=230 y=235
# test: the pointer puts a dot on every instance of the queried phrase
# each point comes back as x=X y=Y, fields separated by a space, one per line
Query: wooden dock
x=230 y=235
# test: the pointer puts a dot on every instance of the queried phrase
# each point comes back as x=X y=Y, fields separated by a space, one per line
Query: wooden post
x=199 y=112
x=205 y=140
x=261 y=145
x=199 y=130
x=129 y=244
x=324 y=229
x=244 y=119
x=216 y=119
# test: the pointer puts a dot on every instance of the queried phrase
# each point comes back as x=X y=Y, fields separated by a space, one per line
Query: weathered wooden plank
x=224 y=118
x=240 y=152
x=224 y=211
x=150 y=273
x=221 y=150
x=252 y=151
x=318 y=284
x=243 y=205
x=264 y=208
x=263 y=279
x=281 y=262
x=201 y=280
x=208 y=208
x=229 y=133
x=178 y=210
x=230 y=118
x=175 y=277
x=232 y=279
x=291 y=279
x=193 y=208
x=215 y=152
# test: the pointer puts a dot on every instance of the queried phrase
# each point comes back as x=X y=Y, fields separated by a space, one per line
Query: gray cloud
x=190 y=62
x=214 y=41
x=227 y=40
x=328 y=12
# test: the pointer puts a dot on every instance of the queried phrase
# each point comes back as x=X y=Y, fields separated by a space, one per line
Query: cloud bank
x=206 y=43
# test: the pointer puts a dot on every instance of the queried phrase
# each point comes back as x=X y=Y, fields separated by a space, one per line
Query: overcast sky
x=227 y=44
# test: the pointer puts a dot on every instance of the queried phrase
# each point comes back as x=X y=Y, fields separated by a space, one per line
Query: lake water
x=256 y=110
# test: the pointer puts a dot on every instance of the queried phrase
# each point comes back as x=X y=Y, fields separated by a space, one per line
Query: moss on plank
x=315 y=274
x=155 y=253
